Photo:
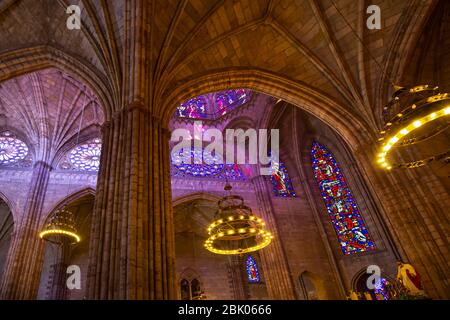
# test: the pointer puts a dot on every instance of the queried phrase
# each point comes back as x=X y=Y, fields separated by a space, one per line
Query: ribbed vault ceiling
x=306 y=42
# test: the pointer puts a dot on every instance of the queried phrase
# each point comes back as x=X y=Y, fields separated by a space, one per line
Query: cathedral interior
x=96 y=204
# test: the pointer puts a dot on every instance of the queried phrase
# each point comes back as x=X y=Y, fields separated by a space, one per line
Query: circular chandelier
x=406 y=123
x=61 y=228
x=236 y=230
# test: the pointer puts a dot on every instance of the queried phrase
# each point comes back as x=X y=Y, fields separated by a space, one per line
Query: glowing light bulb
x=417 y=123
x=393 y=140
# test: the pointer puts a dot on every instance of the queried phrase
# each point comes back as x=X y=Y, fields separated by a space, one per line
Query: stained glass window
x=282 y=185
x=86 y=156
x=11 y=149
x=194 y=108
x=206 y=168
x=252 y=270
x=381 y=289
x=212 y=106
x=230 y=99
x=342 y=208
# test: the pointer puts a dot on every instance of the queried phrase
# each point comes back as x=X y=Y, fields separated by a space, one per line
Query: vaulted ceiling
x=311 y=44
x=48 y=108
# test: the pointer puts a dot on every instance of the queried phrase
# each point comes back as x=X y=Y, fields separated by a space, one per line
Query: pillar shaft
x=23 y=267
x=132 y=241
x=276 y=269
x=240 y=286
x=58 y=282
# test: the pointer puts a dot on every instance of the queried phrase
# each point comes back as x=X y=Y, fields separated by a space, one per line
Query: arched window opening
x=379 y=292
x=307 y=286
x=252 y=270
x=348 y=223
x=185 y=290
x=282 y=185
x=12 y=150
x=191 y=290
x=86 y=156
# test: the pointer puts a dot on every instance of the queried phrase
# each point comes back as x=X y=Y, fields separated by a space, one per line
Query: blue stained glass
x=193 y=108
x=381 y=288
x=230 y=99
x=350 y=228
x=86 y=156
x=282 y=185
x=205 y=169
x=213 y=106
x=252 y=270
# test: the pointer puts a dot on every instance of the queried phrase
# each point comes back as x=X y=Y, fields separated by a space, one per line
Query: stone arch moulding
x=11 y=207
x=91 y=132
x=195 y=196
x=68 y=199
x=317 y=281
x=241 y=122
x=354 y=130
x=22 y=61
x=357 y=276
x=189 y=274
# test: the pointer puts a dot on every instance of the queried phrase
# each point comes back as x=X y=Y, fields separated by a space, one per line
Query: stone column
x=58 y=286
x=24 y=264
x=276 y=270
x=132 y=241
x=238 y=283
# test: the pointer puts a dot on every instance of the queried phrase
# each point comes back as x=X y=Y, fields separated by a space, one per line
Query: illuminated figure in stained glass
x=252 y=270
x=212 y=106
x=230 y=99
x=342 y=208
x=282 y=186
x=193 y=108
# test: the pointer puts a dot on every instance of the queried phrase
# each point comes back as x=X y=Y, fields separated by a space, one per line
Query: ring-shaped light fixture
x=60 y=228
x=237 y=230
x=424 y=106
x=47 y=233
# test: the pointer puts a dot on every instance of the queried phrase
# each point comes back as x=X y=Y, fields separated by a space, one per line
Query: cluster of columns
x=237 y=276
x=275 y=267
x=132 y=251
x=23 y=266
